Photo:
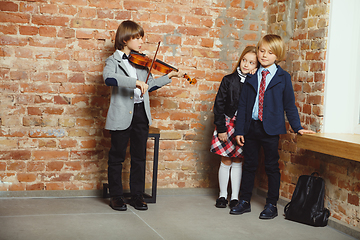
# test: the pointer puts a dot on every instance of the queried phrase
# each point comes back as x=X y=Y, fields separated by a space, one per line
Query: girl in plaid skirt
x=223 y=141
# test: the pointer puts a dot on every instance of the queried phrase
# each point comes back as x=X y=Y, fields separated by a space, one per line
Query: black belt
x=138 y=104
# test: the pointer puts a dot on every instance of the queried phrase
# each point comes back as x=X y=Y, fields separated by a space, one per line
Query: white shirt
x=272 y=70
x=132 y=72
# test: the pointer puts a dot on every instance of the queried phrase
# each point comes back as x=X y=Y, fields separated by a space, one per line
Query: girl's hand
x=142 y=86
x=253 y=71
x=304 y=131
x=222 y=136
x=240 y=140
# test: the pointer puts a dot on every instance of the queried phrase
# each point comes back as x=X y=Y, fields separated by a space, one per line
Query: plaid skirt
x=229 y=148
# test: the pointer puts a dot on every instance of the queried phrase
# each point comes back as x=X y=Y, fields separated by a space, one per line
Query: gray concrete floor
x=173 y=217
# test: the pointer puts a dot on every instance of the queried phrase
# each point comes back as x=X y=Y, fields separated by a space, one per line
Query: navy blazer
x=278 y=97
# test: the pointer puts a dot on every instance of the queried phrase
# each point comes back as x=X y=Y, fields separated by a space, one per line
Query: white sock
x=236 y=172
x=224 y=172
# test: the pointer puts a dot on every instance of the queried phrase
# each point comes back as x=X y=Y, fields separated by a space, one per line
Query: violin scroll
x=191 y=81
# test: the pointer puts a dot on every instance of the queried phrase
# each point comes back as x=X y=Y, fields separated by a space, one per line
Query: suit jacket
x=278 y=97
x=121 y=108
x=227 y=100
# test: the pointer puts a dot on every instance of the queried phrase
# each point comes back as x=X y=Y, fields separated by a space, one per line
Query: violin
x=143 y=60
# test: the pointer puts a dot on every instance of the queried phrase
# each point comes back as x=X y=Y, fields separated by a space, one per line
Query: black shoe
x=138 y=202
x=233 y=203
x=118 y=203
x=269 y=212
x=221 y=202
x=241 y=207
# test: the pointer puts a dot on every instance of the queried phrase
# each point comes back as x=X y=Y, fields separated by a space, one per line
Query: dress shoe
x=221 y=202
x=138 y=202
x=233 y=203
x=269 y=212
x=118 y=203
x=241 y=207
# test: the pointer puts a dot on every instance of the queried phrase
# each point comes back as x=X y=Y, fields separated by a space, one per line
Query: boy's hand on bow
x=142 y=86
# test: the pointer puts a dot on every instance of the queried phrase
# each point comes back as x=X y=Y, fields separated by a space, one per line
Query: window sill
x=335 y=144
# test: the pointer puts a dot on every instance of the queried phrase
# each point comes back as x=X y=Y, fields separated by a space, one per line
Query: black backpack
x=307 y=202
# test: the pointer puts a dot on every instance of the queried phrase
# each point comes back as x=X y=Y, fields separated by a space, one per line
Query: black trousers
x=137 y=133
x=256 y=138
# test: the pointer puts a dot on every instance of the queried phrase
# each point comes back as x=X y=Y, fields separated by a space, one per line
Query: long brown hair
x=248 y=49
x=127 y=30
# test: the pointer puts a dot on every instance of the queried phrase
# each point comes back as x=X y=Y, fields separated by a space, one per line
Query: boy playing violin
x=129 y=117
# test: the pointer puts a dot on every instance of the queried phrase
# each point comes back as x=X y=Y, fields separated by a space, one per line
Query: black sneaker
x=233 y=203
x=118 y=203
x=269 y=212
x=241 y=207
x=138 y=202
x=221 y=202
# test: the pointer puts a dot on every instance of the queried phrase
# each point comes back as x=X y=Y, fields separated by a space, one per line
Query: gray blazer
x=121 y=108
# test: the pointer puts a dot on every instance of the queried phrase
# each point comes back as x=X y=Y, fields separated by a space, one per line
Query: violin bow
x=152 y=63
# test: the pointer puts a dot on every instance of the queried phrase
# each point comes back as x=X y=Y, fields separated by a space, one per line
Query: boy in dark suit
x=260 y=121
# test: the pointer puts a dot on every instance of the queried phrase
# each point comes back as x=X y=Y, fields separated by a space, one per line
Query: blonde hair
x=276 y=45
x=126 y=31
x=248 y=49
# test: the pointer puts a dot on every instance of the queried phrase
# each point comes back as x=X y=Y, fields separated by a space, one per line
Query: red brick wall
x=304 y=26
x=54 y=100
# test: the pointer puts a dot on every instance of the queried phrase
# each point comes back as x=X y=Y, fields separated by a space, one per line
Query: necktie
x=124 y=56
x=261 y=93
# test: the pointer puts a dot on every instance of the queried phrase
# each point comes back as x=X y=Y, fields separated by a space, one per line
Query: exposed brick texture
x=304 y=26
x=54 y=101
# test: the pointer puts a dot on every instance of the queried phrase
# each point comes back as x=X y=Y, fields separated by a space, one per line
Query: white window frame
x=342 y=74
